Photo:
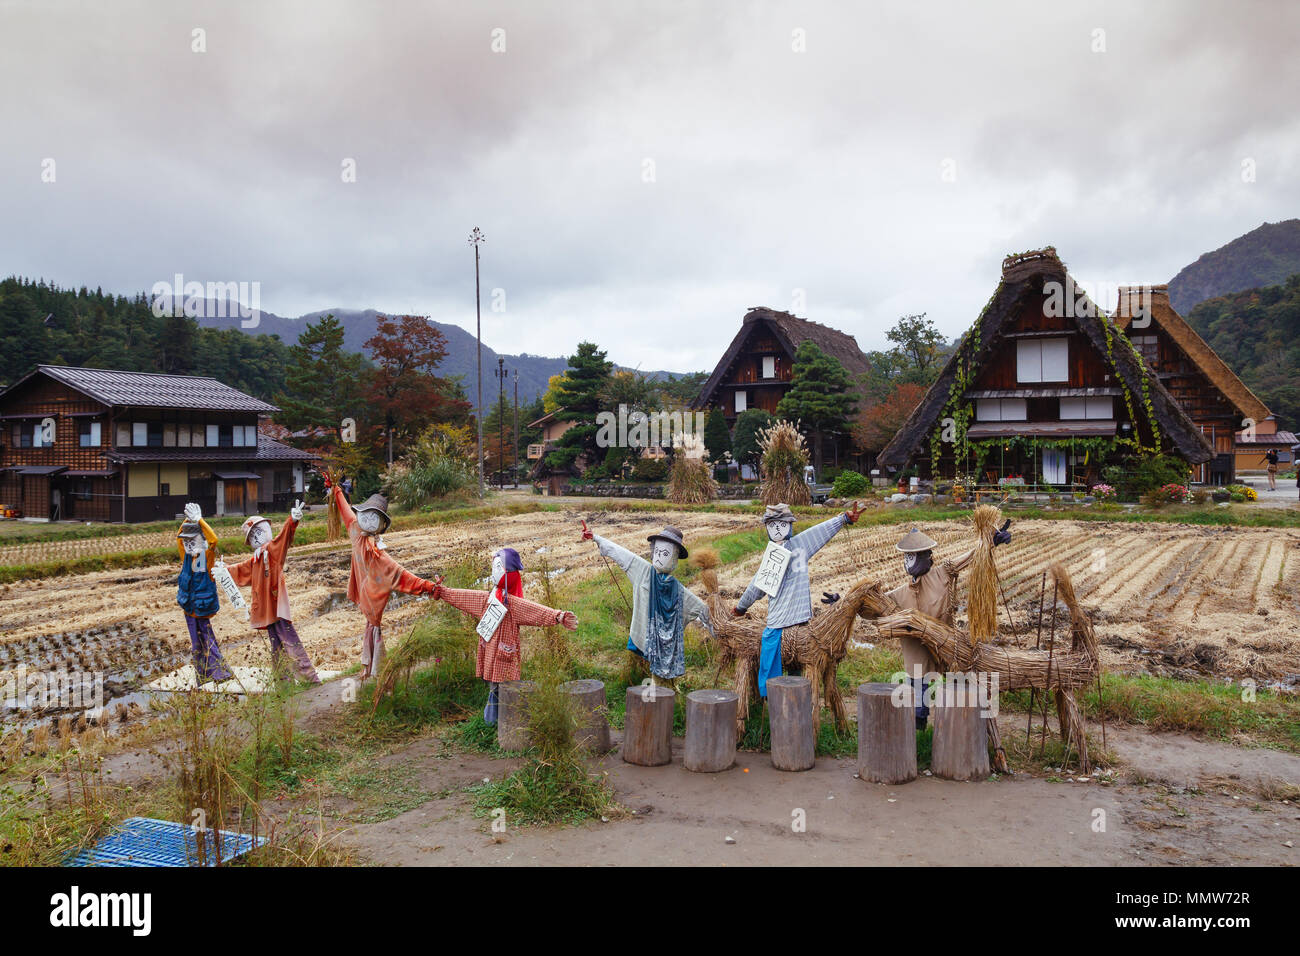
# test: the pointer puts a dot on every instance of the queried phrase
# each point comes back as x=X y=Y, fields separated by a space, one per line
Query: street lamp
x=476 y=238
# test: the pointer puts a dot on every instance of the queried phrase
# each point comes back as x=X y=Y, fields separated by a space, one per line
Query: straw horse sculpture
x=814 y=649
x=1062 y=672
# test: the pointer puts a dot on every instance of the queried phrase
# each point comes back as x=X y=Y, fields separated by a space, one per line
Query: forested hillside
x=1257 y=332
x=1262 y=257
x=43 y=324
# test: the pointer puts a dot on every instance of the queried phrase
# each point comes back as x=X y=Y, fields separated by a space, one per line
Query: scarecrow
x=783 y=577
x=501 y=612
x=375 y=575
x=263 y=572
x=197 y=594
x=661 y=605
x=932 y=590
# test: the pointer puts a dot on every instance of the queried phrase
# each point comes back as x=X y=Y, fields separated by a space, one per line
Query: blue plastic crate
x=140 y=841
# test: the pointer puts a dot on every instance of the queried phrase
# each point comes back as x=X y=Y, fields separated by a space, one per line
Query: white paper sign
x=491 y=619
x=227 y=584
x=771 y=572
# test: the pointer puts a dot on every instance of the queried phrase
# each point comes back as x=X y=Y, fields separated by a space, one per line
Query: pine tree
x=819 y=397
x=579 y=393
x=322 y=384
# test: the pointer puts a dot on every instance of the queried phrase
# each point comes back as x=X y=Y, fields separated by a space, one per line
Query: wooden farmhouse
x=758 y=366
x=1238 y=426
x=99 y=445
x=1043 y=389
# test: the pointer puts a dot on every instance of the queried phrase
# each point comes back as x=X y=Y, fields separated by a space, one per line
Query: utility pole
x=475 y=239
x=501 y=423
x=516 y=454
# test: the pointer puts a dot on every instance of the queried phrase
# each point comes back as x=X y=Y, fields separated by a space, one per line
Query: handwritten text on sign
x=491 y=619
x=771 y=572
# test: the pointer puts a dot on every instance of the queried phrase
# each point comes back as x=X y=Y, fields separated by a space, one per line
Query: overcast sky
x=643 y=172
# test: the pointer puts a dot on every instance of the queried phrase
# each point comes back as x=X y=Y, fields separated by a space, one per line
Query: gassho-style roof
x=150 y=389
x=791 y=331
x=1156 y=298
x=1023 y=276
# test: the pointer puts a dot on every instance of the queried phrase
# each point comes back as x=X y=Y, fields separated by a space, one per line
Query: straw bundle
x=691 y=481
x=334 y=526
x=783 y=459
x=982 y=602
x=816 y=647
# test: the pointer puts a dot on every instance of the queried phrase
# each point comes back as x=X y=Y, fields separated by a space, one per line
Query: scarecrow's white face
x=778 y=531
x=194 y=546
x=498 y=569
x=369 y=521
x=663 y=556
x=260 y=536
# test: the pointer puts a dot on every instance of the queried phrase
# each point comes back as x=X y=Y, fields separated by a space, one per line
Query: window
x=123 y=435
x=250 y=436
x=82 y=492
x=213 y=434
x=1042 y=360
x=182 y=436
x=769 y=366
x=22 y=437
x=1001 y=410
x=741 y=403
x=1148 y=347
x=169 y=435
x=140 y=434
x=88 y=434
x=1075 y=408
x=155 y=435
x=1054 y=466
x=225 y=436
x=38 y=440
x=164 y=489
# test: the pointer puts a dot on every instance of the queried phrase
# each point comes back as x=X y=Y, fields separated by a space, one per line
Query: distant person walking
x=1271 y=458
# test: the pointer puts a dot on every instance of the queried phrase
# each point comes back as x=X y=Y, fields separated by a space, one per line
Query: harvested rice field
x=1174 y=600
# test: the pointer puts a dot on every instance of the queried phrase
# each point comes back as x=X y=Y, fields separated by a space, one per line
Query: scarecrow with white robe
x=501 y=612
x=661 y=605
x=375 y=575
x=196 y=593
x=788 y=590
x=931 y=589
x=263 y=573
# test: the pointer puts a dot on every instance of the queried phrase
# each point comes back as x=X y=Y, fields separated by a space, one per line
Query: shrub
x=1104 y=492
x=440 y=463
x=1240 y=493
x=1146 y=474
x=849 y=483
x=650 y=469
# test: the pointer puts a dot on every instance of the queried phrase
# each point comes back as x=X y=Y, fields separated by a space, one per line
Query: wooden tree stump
x=789 y=703
x=961 y=749
x=648 y=726
x=710 y=730
x=588 y=697
x=886 y=733
x=512 y=714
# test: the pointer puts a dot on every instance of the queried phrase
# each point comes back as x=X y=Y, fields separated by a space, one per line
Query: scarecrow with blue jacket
x=196 y=593
x=661 y=605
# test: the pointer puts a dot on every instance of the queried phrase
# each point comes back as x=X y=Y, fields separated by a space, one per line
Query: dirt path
x=686 y=818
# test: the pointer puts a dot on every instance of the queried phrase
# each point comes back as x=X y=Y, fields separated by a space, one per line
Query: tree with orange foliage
x=877 y=423
x=402 y=386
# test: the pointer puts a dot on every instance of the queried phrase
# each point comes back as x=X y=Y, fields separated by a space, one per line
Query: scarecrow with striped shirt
x=501 y=612
x=789 y=592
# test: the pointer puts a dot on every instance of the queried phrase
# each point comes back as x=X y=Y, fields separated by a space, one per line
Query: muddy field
x=1178 y=600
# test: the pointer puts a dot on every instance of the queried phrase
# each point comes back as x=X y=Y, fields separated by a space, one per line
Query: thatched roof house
x=1209 y=391
x=757 y=367
x=1043 y=388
